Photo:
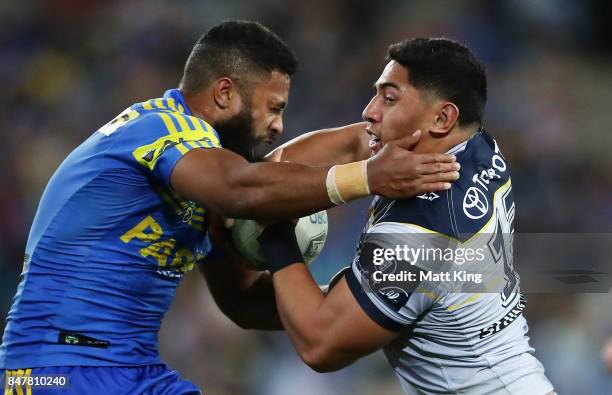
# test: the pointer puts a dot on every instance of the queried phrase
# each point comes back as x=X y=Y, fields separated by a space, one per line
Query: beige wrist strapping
x=347 y=182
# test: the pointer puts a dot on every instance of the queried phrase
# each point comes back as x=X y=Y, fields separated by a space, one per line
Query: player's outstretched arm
x=329 y=332
x=245 y=296
x=225 y=182
x=221 y=180
x=327 y=147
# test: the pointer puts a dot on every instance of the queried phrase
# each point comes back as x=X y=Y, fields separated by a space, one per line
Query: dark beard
x=237 y=134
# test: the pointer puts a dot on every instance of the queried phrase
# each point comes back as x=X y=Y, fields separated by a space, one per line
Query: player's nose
x=276 y=127
x=370 y=112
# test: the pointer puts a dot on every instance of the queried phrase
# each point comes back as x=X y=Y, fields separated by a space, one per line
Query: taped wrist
x=279 y=246
x=347 y=182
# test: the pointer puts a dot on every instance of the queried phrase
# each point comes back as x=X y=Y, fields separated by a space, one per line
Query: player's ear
x=444 y=118
x=224 y=90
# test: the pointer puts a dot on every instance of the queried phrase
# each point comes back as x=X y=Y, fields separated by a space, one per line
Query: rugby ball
x=310 y=231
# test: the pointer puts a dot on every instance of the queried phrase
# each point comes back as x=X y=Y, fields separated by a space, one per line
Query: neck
x=431 y=144
x=201 y=107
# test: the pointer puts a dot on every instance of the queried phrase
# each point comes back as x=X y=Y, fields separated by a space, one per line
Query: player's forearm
x=221 y=180
x=276 y=191
x=299 y=301
x=328 y=147
x=225 y=182
x=292 y=188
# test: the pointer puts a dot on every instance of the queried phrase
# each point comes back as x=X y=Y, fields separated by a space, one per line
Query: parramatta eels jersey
x=456 y=335
x=109 y=244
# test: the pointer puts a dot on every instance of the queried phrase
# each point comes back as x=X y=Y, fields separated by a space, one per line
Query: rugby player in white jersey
x=437 y=341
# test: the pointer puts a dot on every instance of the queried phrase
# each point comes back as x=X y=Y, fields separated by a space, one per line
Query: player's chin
x=266 y=142
x=376 y=148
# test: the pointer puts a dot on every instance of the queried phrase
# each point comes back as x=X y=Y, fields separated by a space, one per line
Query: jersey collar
x=461 y=146
x=178 y=97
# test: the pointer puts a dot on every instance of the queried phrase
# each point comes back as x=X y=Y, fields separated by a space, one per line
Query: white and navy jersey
x=456 y=335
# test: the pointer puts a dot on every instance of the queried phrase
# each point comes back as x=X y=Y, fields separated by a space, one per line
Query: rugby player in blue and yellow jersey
x=124 y=216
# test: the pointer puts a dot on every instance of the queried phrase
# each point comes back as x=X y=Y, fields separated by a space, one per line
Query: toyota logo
x=475 y=203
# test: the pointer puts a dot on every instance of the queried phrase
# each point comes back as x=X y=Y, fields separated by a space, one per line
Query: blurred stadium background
x=69 y=66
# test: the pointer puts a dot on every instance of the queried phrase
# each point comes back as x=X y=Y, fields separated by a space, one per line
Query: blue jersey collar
x=178 y=97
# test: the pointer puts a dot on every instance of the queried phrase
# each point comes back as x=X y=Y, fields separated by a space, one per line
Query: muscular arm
x=223 y=181
x=330 y=332
x=328 y=147
x=237 y=189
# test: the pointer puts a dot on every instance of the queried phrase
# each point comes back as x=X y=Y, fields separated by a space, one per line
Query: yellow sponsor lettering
x=160 y=251
x=147 y=230
x=183 y=259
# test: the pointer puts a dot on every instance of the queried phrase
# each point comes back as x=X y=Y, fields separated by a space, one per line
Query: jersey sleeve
x=395 y=306
x=169 y=136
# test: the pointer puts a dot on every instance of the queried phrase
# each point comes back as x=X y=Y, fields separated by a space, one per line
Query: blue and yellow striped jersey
x=109 y=244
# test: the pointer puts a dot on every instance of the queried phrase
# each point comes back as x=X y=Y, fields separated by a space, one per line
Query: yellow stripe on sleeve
x=183 y=125
x=168 y=122
x=184 y=133
x=172 y=130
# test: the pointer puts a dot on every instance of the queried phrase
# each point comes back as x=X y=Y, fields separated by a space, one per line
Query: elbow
x=321 y=360
x=237 y=315
x=242 y=322
x=243 y=318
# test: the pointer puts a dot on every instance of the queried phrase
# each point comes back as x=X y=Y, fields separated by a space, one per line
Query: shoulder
x=157 y=129
x=459 y=212
x=426 y=213
x=485 y=178
x=165 y=116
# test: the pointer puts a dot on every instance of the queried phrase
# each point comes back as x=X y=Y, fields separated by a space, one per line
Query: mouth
x=269 y=140
x=375 y=143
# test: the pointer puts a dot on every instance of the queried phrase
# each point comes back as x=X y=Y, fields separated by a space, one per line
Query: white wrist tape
x=347 y=182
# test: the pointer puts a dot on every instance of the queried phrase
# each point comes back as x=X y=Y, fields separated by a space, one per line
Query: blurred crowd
x=69 y=66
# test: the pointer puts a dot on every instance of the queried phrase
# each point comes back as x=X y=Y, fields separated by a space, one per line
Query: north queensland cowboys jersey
x=438 y=269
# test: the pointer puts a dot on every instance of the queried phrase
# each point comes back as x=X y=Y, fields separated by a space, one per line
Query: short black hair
x=234 y=49
x=446 y=68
